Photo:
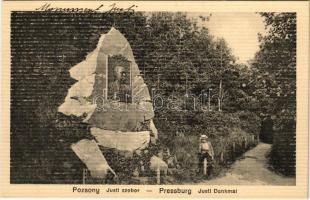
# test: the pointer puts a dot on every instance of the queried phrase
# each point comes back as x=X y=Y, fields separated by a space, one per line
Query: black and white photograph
x=126 y=97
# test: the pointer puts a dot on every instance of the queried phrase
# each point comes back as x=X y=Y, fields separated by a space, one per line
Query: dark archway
x=266 y=133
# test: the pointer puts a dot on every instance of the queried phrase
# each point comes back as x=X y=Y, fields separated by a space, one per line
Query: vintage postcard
x=168 y=99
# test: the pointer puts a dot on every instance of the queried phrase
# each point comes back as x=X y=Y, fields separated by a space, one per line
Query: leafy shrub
x=283 y=153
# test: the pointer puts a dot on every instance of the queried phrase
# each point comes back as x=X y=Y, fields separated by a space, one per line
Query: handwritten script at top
x=112 y=8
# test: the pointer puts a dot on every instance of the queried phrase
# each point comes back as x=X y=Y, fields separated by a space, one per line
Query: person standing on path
x=205 y=152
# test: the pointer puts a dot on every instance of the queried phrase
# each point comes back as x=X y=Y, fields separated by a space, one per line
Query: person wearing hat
x=205 y=151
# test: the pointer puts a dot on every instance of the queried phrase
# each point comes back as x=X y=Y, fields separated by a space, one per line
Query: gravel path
x=252 y=169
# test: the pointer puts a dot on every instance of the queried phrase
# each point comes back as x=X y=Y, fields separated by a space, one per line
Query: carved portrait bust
x=119 y=81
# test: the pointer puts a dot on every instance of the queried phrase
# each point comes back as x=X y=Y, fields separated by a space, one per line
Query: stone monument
x=111 y=97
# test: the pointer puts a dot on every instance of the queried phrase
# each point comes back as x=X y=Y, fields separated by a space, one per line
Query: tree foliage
x=274 y=66
x=181 y=56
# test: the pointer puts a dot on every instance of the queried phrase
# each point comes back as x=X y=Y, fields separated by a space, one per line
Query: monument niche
x=112 y=98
